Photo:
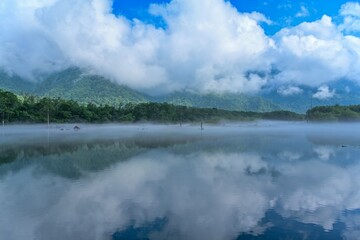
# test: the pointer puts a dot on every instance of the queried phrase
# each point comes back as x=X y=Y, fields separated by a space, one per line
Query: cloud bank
x=205 y=46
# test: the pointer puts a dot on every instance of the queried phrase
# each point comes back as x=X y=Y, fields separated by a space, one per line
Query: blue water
x=263 y=180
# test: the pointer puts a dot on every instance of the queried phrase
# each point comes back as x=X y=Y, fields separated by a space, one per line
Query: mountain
x=15 y=83
x=74 y=84
x=77 y=85
x=221 y=101
x=346 y=93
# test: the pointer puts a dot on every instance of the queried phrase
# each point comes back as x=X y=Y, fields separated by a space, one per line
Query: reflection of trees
x=68 y=160
x=93 y=154
x=72 y=159
x=335 y=139
x=7 y=156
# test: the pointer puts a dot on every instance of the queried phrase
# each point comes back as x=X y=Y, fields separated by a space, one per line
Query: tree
x=8 y=103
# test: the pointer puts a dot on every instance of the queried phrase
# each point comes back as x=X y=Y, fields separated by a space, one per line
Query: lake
x=258 y=180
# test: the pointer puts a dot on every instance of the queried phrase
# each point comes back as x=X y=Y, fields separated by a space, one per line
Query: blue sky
x=283 y=13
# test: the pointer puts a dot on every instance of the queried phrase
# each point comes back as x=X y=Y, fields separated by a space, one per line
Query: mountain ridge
x=81 y=86
x=77 y=85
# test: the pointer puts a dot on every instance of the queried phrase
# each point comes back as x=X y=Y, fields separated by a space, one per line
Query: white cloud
x=351 y=13
x=289 y=90
x=304 y=12
x=314 y=53
x=350 y=9
x=324 y=93
x=206 y=46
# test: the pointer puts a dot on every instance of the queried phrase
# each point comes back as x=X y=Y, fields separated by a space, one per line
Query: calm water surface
x=263 y=180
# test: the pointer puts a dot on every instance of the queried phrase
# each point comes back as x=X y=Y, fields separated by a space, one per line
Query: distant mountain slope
x=76 y=85
x=346 y=93
x=227 y=101
x=15 y=83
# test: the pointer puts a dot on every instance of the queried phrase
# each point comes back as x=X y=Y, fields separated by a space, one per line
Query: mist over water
x=231 y=181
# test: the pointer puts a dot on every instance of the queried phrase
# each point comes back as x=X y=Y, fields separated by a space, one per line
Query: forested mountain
x=39 y=110
x=225 y=101
x=334 y=113
x=345 y=93
x=15 y=83
x=74 y=84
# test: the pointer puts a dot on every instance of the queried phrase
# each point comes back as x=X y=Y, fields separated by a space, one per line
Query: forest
x=31 y=109
x=334 y=113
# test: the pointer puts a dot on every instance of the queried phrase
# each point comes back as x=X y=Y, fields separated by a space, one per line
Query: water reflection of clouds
x=203 y=196
x=324 y=152
x=202 y=193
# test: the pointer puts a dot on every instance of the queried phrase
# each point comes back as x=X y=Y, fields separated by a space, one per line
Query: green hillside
x=38 y=110
x=346 y=93
x=334 y=113
x=15 y=83
x=74 y=84
x=227 y=101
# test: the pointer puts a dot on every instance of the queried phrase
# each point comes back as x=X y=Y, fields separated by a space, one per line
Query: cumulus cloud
x=314 y=53
x=324 y=93
x=205 y=46
x=351 y=13
x=196 y=50
x=289 y=90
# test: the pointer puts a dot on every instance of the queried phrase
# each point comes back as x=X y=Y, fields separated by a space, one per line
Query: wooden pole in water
x=181 y=118
x=48 y=111
x=201 y=125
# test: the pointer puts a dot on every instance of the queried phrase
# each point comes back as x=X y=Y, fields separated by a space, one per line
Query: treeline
x=335 y=113
x=30 y=109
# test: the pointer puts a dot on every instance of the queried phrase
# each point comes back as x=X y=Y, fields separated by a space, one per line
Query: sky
x=204 y=46
x=283 y=13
